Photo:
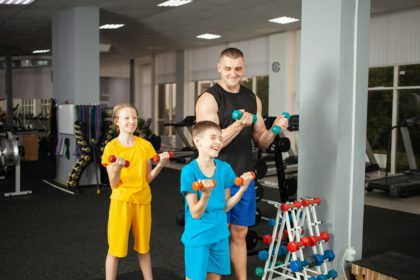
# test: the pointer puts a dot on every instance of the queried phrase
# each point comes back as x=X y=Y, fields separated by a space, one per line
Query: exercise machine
x=10 y=153
x=284 y=169
x=407 y=183
x=180 y=128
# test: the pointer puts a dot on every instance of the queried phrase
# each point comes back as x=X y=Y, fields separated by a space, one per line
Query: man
x=217 y=105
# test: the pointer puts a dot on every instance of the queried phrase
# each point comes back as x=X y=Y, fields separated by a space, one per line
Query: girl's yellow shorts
x=122 y=216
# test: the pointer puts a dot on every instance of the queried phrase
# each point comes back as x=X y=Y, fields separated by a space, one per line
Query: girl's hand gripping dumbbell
x=119 y=161
x=163 y=156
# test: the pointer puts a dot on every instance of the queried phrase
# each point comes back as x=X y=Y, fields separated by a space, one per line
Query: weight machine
x=10 y=153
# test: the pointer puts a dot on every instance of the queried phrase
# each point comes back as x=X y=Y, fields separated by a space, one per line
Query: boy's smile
x=210 y=143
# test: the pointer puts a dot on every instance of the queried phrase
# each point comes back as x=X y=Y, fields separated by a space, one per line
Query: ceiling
x=150 y=29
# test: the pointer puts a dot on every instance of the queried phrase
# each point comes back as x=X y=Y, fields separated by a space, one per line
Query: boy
x=206 y=233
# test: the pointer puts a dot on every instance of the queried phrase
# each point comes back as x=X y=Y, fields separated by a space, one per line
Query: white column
x=75 y=36
x=333 y=105
x=75 y=54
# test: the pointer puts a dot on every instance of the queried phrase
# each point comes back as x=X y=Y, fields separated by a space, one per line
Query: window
x=409 y=75
x=379 y=119
x=408 y=107
x=203 y=86
x=262 y=92
x=381 y=77
x=166 y=108
x=259 y=84
x=393 y=91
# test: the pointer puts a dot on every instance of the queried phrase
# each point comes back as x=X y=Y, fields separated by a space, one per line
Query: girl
x=127 y=159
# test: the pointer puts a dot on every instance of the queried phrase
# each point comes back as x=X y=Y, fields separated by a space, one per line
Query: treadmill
x=188 y=122
x=407 y=183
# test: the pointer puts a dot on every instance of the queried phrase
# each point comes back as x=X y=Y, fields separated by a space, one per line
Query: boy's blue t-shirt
x=212 y=226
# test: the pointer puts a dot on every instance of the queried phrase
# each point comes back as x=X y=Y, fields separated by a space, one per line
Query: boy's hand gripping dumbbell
x=203 y=185
x=245 y=179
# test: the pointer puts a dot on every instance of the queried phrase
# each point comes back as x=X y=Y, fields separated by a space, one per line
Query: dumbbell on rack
x=252 y=239
x=263 y=254
x=258 y=217
x=332 y=274
x=259 y=271
x=317 y=260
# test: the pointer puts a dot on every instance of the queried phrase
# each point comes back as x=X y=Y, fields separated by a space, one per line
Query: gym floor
x=54 y=235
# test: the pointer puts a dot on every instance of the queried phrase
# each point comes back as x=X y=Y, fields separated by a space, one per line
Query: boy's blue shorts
x=214 y=258
x=243 y=213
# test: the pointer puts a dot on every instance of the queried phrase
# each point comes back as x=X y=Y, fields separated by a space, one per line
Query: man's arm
x=261 y=136
x=206 y=109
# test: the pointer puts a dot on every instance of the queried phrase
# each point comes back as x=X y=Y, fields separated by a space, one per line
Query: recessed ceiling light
x=283 y=20
x=208 y=36
x=111 y=26
x=16 y=2
x=174 y=3
x=41 y=51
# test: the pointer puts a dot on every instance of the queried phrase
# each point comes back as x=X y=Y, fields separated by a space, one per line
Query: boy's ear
x=196 y=140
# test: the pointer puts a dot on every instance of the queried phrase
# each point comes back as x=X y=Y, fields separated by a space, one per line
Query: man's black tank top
x=239 y=152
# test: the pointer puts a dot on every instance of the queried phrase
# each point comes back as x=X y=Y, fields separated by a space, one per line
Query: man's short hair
x=202 y=126
x=232 y=53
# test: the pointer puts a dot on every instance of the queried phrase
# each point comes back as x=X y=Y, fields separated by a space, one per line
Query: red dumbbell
x=113 y=158
x=293 y=246
x=322 y=236
x=156 y=158
x=198 y=185
x=287 y=206
x=307 y=202
x=239 y=180
x=266 y=238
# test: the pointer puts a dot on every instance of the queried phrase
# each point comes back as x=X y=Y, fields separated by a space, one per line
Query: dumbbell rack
x=299 y=211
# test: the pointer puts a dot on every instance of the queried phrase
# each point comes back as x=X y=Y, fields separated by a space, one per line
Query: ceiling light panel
x=174 y=3
x=208 y=36
x=41 y=51
x=283 y=20
x=111 y=26
x=16 y=2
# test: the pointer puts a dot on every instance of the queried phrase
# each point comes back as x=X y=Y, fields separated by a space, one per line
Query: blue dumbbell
x=236 y=115
x=297 y=266
x=332 y=274
x=263 y=255
x=283 y=250
x=277 y=129
x=271 y=222
x=319 y=259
